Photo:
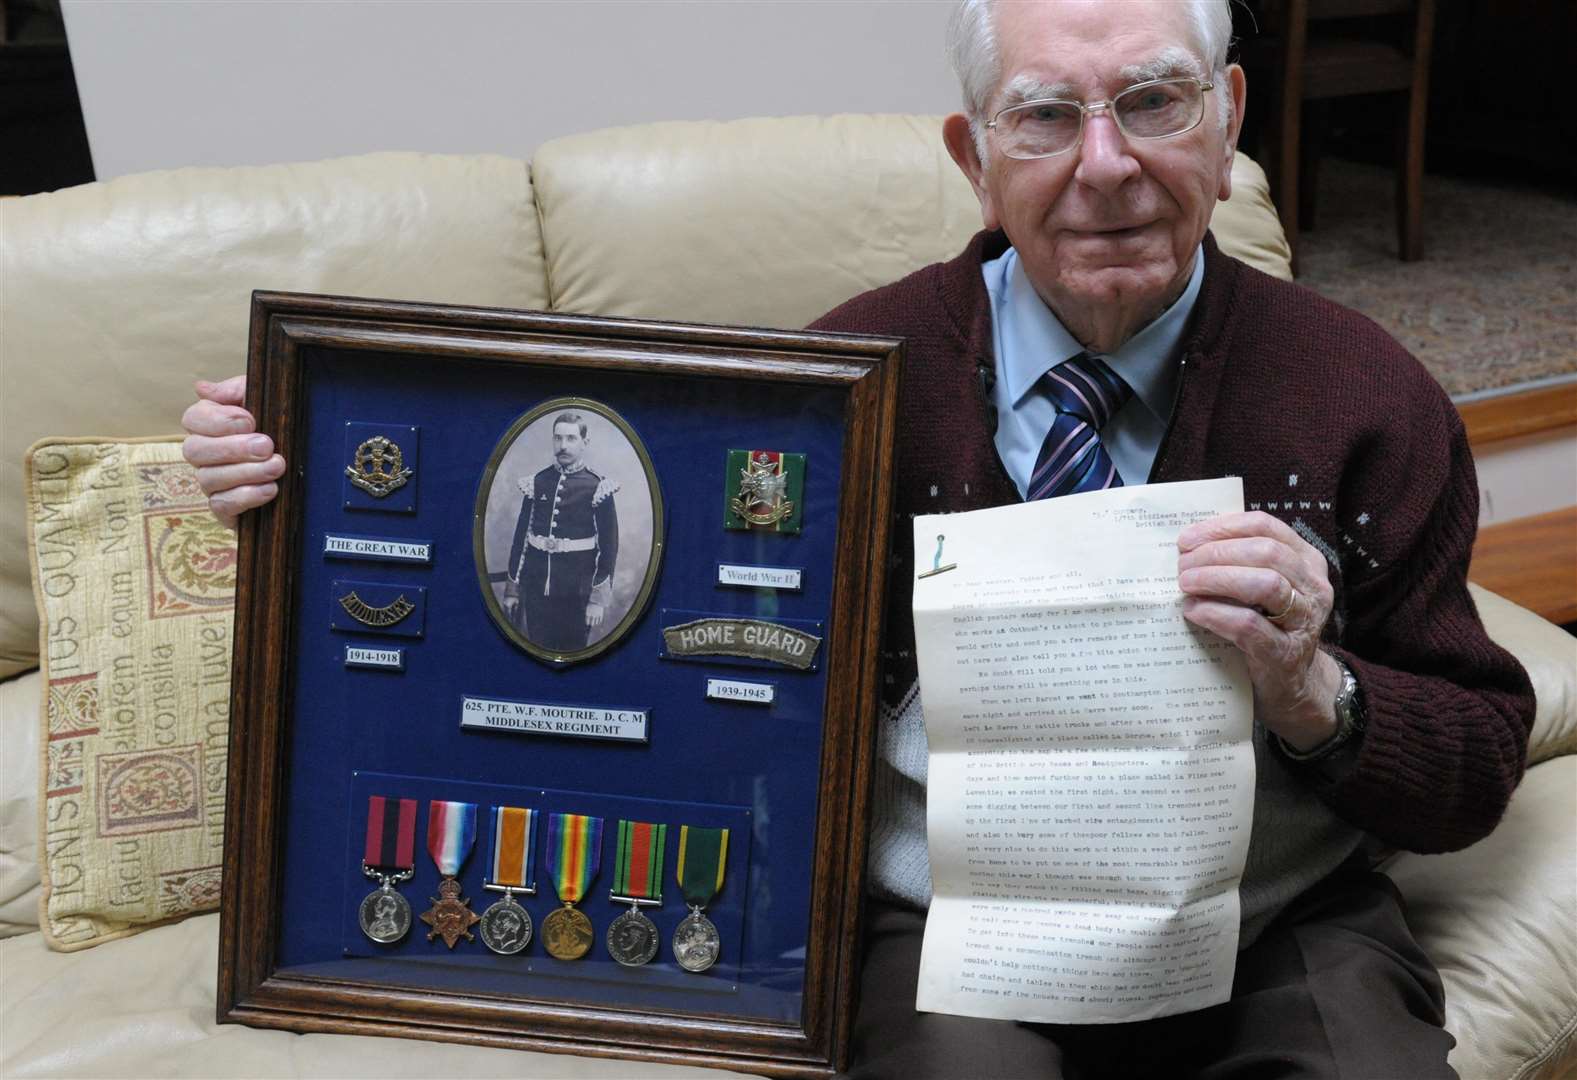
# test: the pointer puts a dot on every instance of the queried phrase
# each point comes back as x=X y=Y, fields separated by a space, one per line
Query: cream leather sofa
x=114 y=297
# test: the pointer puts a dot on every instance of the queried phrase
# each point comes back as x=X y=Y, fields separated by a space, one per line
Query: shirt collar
x=570 y=470
x=1029 y=333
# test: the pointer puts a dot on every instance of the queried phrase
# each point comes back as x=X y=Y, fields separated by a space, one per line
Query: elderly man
x=1095 y=335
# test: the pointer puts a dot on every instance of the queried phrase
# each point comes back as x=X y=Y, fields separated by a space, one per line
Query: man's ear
x=1236 y=85
x=961 y=145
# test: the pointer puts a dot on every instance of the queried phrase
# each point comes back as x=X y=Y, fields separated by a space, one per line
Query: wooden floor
x=1531 y=561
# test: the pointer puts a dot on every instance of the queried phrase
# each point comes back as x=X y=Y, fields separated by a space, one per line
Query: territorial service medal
x=389 y=858
x=451 y=831
x=637 y=881
x=703 y=854
x=575 y=854
x=506 y=926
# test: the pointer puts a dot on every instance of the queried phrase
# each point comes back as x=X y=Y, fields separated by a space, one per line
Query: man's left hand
x=1252 y=580
x=593 y=614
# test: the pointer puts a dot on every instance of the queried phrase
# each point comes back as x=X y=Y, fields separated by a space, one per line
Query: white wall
x=237 y=82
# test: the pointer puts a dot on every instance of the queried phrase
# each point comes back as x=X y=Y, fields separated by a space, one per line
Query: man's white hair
x=972 y=47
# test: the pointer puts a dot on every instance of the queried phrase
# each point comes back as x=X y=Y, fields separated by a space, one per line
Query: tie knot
x=1087 y=387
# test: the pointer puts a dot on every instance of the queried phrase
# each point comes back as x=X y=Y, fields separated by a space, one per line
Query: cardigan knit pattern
x=1335 y=429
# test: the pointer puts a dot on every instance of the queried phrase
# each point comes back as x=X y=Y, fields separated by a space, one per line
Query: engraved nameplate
x=754 y=693
x=339 y=546
x=360 y=656
x=760 y=577
x=543 y=718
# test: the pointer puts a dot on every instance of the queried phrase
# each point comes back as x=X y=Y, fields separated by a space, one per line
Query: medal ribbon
x=514 y=846
x=703 y=854
x=451 y=831
x=391 y=833
x=639 y=871
x=574 y=853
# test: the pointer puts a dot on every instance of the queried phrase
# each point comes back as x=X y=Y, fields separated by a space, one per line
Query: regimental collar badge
x=379 y=467
x=764 y=490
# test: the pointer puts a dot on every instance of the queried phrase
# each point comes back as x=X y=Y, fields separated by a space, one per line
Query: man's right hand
x=236 y=467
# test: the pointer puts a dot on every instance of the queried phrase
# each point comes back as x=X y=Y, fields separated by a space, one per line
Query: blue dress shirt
x=1030 y=341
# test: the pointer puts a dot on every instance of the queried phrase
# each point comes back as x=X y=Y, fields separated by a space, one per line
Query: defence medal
x=451 y=831
x=637 y=881
x=506 y=926
x=703 y=855
x=575 y=854
x=389 y=857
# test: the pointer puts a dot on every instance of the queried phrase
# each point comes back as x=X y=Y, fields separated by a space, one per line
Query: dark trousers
x=1336 y=987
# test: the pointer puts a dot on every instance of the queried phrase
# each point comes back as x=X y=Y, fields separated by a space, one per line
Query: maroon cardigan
x=1336 y=430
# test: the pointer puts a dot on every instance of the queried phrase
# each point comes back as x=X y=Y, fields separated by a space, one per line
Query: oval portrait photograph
x=568 y=533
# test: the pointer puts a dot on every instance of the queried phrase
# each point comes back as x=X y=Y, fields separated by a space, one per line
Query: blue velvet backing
x=750 y=767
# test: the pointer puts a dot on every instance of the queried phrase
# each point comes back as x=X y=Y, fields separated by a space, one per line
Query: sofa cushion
x=145 y=1007
x=723 y=222
x=118 y=295
x=1499 y=919
x=136 y=588
x=19 y=724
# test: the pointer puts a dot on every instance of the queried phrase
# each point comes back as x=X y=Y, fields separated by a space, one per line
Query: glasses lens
x=1156 y=110
x=1039 y=128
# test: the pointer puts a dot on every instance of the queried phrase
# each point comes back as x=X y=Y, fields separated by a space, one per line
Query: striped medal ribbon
x=574 y=856
x=451 y=833
x=703 y=858
x=388 y=857
x=506 y=926
x=637 y=881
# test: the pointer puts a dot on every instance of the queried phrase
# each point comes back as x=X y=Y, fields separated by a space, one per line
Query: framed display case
x=555 y=682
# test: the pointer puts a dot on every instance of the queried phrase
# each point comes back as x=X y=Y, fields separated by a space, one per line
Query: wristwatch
x=1350 y=721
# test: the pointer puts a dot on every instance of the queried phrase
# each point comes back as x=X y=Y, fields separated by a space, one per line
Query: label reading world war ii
x=337 y=546
x=542 y=718
x=363 y=656
x=760 y=577
x=751 y=639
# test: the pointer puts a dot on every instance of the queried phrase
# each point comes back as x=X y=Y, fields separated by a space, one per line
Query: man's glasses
x=1157 y=109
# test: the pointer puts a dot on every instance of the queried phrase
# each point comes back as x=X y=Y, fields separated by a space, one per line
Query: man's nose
x=1106 y=160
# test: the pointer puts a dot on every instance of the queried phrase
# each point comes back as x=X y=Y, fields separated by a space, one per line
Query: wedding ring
x=1284 y=611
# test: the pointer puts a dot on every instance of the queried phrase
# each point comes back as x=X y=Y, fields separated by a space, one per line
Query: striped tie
x=1087 y=393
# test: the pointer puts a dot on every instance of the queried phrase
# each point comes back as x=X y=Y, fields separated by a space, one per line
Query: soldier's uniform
x=566 y=541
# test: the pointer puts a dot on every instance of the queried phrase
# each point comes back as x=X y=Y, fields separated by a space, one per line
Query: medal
x=637 y=881
x=389 y=858
x=703 y=855
x=575 y=854
x=451 y=831
x=506 y=926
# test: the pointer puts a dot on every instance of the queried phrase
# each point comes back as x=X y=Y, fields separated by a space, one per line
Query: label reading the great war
x=760 y=577
x=360 y=656
x=377 y=547
x=734 y=690
x=542 y=718
x=753 y=639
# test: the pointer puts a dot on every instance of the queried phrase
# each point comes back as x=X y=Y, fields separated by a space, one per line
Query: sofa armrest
x=1550 y=656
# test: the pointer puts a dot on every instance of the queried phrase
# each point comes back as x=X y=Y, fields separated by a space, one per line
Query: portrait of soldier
x=566 y=543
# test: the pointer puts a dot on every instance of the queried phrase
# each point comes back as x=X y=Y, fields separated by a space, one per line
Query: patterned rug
x=1493 y=303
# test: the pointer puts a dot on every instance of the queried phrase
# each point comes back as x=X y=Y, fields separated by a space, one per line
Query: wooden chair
x=1319 y=51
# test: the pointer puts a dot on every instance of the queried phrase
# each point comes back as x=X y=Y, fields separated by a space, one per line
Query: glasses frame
x=1086 y=110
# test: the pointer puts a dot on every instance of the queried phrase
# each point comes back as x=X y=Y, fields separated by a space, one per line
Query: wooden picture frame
x=301 y=349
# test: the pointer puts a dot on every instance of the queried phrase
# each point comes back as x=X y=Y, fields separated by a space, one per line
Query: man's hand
x=594 y=614
x=1253 y=581
x=236 y=468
